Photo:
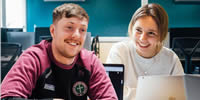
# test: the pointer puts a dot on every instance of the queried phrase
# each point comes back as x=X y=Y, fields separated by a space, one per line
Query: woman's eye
x=138 y=30
x=151 y=33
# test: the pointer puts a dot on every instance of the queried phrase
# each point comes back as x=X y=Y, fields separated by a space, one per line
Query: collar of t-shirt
x=64 y=66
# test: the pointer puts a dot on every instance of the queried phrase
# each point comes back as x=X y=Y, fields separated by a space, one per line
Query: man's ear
x=52 y=27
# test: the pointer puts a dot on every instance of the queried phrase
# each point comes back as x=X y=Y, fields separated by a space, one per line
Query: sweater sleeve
x=22 y=77
x=100 y=84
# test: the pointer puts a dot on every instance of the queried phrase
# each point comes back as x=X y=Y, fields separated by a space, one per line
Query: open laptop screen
x=116 y=74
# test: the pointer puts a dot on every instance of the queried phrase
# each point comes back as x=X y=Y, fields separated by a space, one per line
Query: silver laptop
x=183 y=87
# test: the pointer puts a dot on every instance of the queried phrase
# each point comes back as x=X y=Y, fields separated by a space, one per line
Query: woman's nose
x=143 y=37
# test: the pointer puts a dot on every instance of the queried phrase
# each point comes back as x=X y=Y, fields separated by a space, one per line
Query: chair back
x=9 y=53
x=187 y=49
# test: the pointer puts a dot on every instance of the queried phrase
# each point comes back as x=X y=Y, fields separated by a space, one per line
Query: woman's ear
x=52 y=27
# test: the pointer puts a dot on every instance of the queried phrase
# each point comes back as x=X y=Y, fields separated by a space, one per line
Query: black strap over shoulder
x=42 y=80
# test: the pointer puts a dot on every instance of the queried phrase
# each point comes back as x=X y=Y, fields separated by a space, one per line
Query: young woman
x=144 y=54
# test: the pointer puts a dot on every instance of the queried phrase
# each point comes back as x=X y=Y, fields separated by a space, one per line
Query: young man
x=60 y=68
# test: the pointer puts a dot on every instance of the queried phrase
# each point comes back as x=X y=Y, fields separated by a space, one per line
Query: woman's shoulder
x=168 y=52
x=122 y=44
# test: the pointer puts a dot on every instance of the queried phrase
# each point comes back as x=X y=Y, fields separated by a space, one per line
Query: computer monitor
x=41 y=33
x=87 y=44
x=5 y=30
x=26 y=39
x=116 y=74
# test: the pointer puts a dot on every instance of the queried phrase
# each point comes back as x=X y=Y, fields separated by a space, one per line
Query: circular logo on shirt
x=79 y=88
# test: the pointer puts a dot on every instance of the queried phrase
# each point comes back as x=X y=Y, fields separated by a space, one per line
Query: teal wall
x=181 y=14
x=111 y=17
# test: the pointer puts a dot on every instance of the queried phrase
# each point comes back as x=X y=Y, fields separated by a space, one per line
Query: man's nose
x=76 y=33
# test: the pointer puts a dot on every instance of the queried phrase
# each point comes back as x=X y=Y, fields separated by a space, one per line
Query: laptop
x=116 y=74
x=180 y=87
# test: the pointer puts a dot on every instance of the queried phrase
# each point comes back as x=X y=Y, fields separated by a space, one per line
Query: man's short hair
x=69 y=10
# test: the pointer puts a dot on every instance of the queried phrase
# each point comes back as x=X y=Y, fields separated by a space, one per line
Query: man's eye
x=69 y=27
x=82 y=30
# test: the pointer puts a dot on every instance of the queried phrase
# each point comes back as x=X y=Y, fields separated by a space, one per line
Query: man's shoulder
x=88 y=58
x=38 y=50
x=42 y=46
x=86 y=54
